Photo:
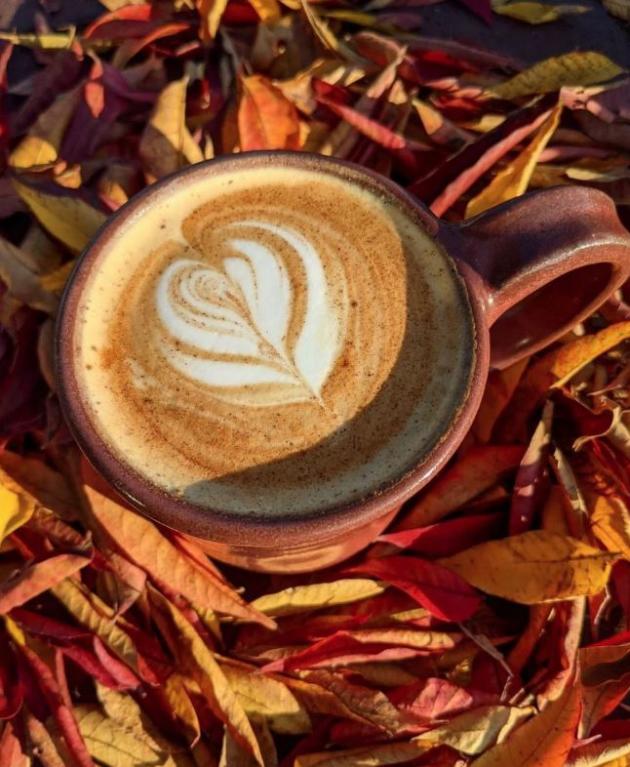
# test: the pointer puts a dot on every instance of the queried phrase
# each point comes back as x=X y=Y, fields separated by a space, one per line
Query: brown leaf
x=534 y=567
x=266 y=118
x=22 y=280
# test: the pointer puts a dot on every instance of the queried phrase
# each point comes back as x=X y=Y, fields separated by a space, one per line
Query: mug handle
x=540 y=264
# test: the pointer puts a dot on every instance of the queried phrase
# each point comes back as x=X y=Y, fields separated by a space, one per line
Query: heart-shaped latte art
x=229 y=328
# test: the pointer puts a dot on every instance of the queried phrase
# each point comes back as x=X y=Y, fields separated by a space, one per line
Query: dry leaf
x=575 y=68
x=198 y=661
x=166 y=144
x=513 y=180
x=67 y=217
x=479 y=469
x=537 y=13
x=297 y=599
x=17 y=509
x=266 y=118
x=141 y=541
x=534 y=567
x=543 y=741
x=37 y=578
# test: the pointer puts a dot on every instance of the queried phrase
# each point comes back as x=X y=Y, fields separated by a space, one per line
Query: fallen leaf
x=266 y=118
x=473 y=732
x=22 y=282
x=11 y=752
x=37 y=578
x=531 y=480
x=66 y=216
x=534 y=567
x=314 y=596
x=543 y=741
x=513 y=180
x=613 y=753
x=479 y=469
x=537 y=13
x=166 y=144
x=142 y=542
x=372 y=756
x=575 y=68
x=605 y=674
x=428 y=583
x=210 y=12
x=17 y=509
x=198 y=661
x=265 y=697
x=610 y=523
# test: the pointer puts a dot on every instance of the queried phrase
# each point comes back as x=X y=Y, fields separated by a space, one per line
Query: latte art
x=273 y=341
x=236 y=321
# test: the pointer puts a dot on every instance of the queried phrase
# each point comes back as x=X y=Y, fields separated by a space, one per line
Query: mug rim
x=243 y=530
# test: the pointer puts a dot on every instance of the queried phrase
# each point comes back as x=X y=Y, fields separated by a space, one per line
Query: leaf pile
x=490 y=626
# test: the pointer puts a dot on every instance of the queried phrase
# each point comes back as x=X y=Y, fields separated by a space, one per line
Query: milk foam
x=273 y=341
x=244 y=311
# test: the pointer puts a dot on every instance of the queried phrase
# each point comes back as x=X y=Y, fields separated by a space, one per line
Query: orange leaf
x=142 y=542
x=266 y=118
x=34 y=580
x=479 y=469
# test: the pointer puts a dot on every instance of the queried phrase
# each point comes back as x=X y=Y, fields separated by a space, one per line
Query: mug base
x=300 y=560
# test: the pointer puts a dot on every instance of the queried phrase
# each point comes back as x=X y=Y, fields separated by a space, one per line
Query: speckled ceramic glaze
x=531 y=269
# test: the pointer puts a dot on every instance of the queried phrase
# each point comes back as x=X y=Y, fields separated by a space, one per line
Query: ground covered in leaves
x=491 y=624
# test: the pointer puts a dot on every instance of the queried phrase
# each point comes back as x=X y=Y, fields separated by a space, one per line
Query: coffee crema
x=272 y=341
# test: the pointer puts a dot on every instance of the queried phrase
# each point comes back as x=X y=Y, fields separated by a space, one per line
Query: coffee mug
x=271 y=352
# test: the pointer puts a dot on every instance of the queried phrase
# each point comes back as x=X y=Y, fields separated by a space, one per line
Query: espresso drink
x=272 y=341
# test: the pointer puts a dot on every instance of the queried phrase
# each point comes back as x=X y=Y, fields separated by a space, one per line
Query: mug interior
x=215 y=523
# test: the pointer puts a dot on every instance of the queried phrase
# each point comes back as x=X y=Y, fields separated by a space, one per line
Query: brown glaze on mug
x=532 y=268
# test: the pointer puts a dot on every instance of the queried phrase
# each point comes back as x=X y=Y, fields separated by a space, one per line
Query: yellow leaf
x=49 y=41
x=67 y=217
x=543 y=741
x=198 y=661
x=513 y=180
x=268 y=10
x=181 y=707
x=41 y=741
x=93 y=613
x=370 y=756
x=610 y=523
x=536 y=13
x=15 y=510
x=620 y=9
x=534 y=567
x=614 y=753
x=166 y=144
x=37 y=482
x=210 y=12
x=298 y=599
x=42 y=143
x=325 y=35
x=114 y=744
x=265 y=697
x=575 y=68
x=473 y=732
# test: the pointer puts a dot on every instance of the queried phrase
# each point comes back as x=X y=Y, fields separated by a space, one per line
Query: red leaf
x=11 y=752
x=445 y=185
x=129 y=21
x=434 y=698
x=442 y=592
x=42 y=625
x=63 y=715
x=449 y=537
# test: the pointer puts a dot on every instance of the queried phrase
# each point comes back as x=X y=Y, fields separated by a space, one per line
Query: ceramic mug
x=532 y=268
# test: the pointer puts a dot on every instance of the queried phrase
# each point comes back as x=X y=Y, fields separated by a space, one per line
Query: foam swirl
x=235 y=323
